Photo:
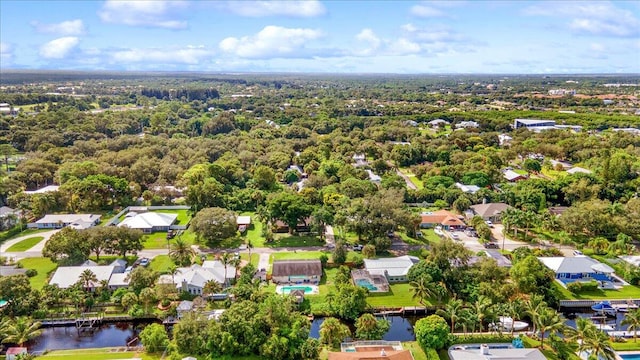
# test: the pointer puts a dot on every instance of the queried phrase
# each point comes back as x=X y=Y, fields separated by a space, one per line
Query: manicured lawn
x=157 y=240
x=629 y=345
x=286 y=240
x=418 y=353
x=27 y=232
x=255 y=258
x=627 y=292
x=43 y=266
x=254 y=232
x=399 y=295
x=98 y=354
x=184 y=216
x=548 y=353
x=161 y=263
x=305 y=255
x=25 y=244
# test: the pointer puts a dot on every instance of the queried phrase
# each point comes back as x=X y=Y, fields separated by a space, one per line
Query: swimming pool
x=287 y=289
x=3 y=303
x=629 y=356
x=366 y=284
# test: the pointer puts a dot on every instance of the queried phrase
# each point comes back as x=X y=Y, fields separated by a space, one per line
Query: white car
x=455 y=236
x=489 y=223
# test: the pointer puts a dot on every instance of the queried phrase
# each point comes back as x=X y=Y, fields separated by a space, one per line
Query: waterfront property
x=582 y=268
x=193 y=279
x=296 y=271
x=58 y=221
x=374 y=350
x=393 y=269
x=290 y=289
x=493 y=351
x=67 y=276
x=374 y=282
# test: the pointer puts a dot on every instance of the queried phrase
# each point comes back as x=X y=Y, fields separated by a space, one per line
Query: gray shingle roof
x=297 y=267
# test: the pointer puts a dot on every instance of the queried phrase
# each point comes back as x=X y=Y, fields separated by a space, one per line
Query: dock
x=622 y=333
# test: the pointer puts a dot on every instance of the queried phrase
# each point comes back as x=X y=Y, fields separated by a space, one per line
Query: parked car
x=491 y=245
x=357 y=247
x=489 y=223
x=455 y=236
x=577 y=253
x=144 y=262
x=128 y=269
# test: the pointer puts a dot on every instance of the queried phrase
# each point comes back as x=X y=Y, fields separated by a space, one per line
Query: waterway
x=401 y=328
x=68 y=337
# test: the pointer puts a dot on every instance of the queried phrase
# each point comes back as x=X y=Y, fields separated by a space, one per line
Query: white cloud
x=59 y=48
x=6 y=53
x=70 y=27
x=293 y=8
x=271 y=42
x=147 y=13
x=426 y=11
x=191 y=55
x=597 y=47
x=403 y=46
x=371 y=39
x=591 y=18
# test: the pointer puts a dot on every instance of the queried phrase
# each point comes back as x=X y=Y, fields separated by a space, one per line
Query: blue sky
x=323 y=36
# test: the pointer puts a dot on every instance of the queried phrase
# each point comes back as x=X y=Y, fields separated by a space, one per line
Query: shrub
x=31 y=272
x=574 y=287
x=432 y=332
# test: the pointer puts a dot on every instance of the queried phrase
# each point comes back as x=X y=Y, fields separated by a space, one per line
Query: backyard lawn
x=399 y=295
x=161 y=263
x=254 y=232
x=43 y=266
x=98 y=354
x=627 y=292
x=157 y=240
x=25 y=244
x=286 y=240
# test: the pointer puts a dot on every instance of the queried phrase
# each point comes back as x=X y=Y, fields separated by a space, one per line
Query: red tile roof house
x=444 y=218
x=14 y=352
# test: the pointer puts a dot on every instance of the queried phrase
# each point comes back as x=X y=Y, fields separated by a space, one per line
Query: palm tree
x=452 y=312
x=549 y=320
x=181 y=253
x=581 y=331
x=515 y=309
x=87 y=279
x=598 y=344
x=482 y=308
x=225 y=259
x=174 y=270
x=421 y=288
x=468 y=319
x=21 y=330
x=633 y=321
x=249 y=247
x=533 y=307
x=211 y=287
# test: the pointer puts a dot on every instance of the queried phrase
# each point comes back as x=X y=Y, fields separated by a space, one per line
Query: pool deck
x=315 y=290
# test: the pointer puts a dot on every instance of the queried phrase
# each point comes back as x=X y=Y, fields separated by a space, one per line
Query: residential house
x=296 y=271
x=565 y=165
x=437 y=123
x=58 y=221
x=8 y=217
x=119 y=265
x=376 y=179
x=446 y=219
x=557 y=210
x=280 y=226
x=504 y=139
x=243 y=221
x=469 y=189
x=579 y=268
x=149 y=222
x=359 y=160
x=184 y=307
x=192 y=279
x=513 y=176
x=67 y=276
x=467 y=125
x=119 y=280
x=490 y=211
x=493 y=352
x=46 y=189
x=532 y=123
x=500 y=259
x=297 y=169
x=394 y=269
x=577 y=169
x=371 y=350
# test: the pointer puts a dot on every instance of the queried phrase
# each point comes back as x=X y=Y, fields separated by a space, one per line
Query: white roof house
x=46 y=189
x=578 y=169
x=467 y=124
x=373 y=177
x=119 y=280
x=527 y=123
x=77 y=221
x=66 y=276
x=469 y=189
x=244 y=220
x=511 y=175
x=395 y=269
x=192 y=279
x=466 y=352
x=570 y=265
x=149 y=221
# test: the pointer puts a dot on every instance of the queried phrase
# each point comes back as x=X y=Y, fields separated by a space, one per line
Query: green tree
x=370 y=328
x=215 y=225
x=339 y=254
x=549 y=321
x=264 y=177
x=632 y=320
x=333 y=332
x=452 y=312
x=146 y=297
x=181 y=252
x=432 y=332
x=289 y=207
x=88 y=279
x=154 y=338
x=20 y=330
x=67 y=246
x=369 y=251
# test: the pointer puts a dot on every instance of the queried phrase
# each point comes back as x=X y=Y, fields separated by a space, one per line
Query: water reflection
x=401 y=328
x=107 y=335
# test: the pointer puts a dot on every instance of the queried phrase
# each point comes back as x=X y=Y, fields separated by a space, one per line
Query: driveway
x=35 y=251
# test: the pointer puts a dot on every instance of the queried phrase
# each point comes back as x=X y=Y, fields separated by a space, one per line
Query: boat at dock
x=507 y=324
x=624 y=307
x=604 y=308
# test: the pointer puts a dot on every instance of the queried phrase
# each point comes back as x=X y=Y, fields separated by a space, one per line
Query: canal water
x=67 y=337
x=401 y=328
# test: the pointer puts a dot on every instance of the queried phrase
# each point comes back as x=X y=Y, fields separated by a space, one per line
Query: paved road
x=410 y=184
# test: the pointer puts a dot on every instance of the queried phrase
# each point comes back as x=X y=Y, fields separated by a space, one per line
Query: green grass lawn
x=25 y=244
x=43 y=266
x=97 y=354
x=254 y=232
x=255 y=258
x=412 y=177
x=161 y=263
x=157 y=240
x=628 y=345
x=306 y=255
x=184 y=216
x=627 y=292
x=398 y=295
x=286 y=240
x=26 y=232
